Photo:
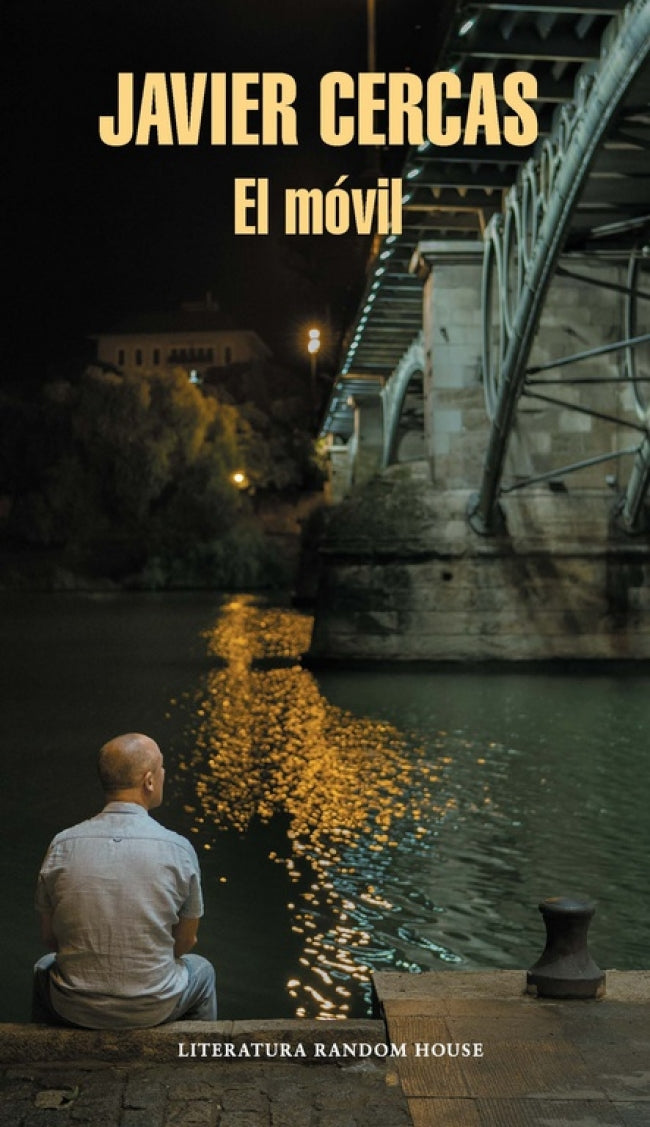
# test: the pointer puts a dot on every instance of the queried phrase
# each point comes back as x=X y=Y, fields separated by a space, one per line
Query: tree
x=145 y=468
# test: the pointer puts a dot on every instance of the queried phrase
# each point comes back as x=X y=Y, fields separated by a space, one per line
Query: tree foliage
x=130 y=475
x=129 y=467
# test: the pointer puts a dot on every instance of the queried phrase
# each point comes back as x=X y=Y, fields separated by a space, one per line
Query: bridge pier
x=406 y=577
x=339 y=456
x=367 y=442
x=455 y=411
x=534 y=408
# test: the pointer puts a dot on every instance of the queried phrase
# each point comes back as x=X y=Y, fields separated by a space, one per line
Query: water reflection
x=354 y=792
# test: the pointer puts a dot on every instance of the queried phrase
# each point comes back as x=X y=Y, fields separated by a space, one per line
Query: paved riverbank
x=481 y=1053
x=458 y=1050
x=191 y=1074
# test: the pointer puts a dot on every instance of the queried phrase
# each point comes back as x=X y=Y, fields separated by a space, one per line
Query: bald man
x=120 y=900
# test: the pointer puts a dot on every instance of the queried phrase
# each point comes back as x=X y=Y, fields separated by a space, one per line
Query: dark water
x=345 y=821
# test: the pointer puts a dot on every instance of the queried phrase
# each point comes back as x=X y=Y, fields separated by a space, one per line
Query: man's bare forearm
x=184 y=934
x=182 y=948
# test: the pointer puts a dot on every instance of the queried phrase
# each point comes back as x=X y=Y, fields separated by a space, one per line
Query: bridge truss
x=584 y=187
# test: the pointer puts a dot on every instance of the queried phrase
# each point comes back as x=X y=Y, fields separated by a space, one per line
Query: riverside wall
x=404 y=578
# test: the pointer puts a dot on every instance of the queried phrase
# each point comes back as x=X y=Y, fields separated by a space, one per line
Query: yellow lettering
x=118 y=130
x=370 y=104
x=520 y=88
x=443 y=129
x=188 y=118
x=278 y=95
x=218 y=130
x=335 y=128
x=404 y=98
x=242 y=106
x=256 y=201
x=303 y=211
x=154 y=111
x=482 y=112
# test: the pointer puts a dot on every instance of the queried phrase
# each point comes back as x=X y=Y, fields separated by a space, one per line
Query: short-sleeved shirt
x=115 y=886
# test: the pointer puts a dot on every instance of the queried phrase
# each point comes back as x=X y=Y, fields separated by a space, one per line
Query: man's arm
x=184 y=933
x=47 y=933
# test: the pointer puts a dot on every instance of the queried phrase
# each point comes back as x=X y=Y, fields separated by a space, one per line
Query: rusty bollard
x=566 y=969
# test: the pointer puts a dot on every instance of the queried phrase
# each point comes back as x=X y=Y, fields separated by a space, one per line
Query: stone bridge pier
x=492 y=408
x=405 y=574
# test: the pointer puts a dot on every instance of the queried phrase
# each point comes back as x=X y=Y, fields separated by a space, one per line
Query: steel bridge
x=580 y=194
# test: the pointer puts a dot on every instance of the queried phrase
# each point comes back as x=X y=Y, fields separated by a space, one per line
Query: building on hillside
x=194 y=338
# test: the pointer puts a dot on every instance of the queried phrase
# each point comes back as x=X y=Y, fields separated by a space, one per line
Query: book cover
x=193 y=190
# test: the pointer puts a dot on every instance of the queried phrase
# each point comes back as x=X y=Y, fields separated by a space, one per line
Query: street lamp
x=313 y=348
x=371 y=31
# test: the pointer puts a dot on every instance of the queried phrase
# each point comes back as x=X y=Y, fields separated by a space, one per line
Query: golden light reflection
x=265 y=742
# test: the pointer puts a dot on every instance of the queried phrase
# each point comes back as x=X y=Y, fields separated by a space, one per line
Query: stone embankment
x=193 y=1074
x=405 y=578
x=457 y=1049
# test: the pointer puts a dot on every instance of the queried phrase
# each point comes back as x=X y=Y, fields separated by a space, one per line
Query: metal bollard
x=566 y=969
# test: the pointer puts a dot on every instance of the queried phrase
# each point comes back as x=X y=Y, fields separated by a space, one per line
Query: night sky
x=94 y=232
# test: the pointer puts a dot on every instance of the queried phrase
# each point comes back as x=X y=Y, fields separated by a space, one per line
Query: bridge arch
x=563 y=228
x=404 y=409
x=522 y=252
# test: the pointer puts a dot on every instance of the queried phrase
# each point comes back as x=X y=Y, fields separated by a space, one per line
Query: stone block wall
x=455 y=407
x=403 y=578
x=340 y=470
x=577 y=317
x=367 y=440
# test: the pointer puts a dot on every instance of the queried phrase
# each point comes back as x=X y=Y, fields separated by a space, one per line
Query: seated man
x=120 y=900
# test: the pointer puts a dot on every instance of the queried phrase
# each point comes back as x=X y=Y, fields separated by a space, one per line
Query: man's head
x=131 y=770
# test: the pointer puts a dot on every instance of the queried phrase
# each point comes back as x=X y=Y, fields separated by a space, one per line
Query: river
x=345 y=820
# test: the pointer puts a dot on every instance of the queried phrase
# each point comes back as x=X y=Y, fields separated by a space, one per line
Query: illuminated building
x=194 y=338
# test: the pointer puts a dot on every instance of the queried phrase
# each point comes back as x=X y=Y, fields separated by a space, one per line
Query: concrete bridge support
x=529 y=535
x=556 y=181
x=455 y=412
x=403 y=398
x=405 y=577
x=356 y=461
x=367 y=442
x=339 y=454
